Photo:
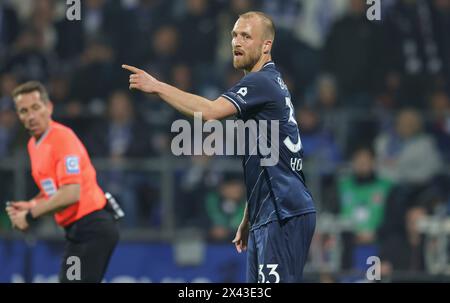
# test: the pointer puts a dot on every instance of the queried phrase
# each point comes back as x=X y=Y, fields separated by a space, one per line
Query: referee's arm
x=26 y=205
x=184 y=102
x=65 y=196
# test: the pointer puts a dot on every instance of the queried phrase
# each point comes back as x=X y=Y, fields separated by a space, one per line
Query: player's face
x=34 y=113
x=247 y=43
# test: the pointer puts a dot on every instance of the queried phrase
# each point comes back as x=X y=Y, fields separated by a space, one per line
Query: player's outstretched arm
x=184 y=102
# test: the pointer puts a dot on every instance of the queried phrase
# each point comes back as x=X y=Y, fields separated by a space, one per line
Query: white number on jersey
x=287 y=141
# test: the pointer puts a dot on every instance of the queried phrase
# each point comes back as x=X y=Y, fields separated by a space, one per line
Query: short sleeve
x=68 y=161
x=248 y=95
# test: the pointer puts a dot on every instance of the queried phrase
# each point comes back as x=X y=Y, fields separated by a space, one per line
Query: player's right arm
x=241 y=238
x=184 y=102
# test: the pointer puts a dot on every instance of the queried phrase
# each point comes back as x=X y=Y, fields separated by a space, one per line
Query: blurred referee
x=63 y=172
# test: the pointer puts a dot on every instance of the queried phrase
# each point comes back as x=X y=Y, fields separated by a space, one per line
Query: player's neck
x=259 y=65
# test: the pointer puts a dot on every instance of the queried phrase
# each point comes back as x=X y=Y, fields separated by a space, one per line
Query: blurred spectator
x=12 y=136
x=120 y=136
x=413 y=48
x=95 y=77
x=59 y=89
x=403 y=249
x=441 y=19
x=407 y=155
x=8 y=127
x=41 y=21
x=318 y=144
x=148 y=16
x=283 y=12
x=198 y=33
x=27 y=58
x=296 y=58
x=123 y=133
x=162 y=52
x=440 y=124
x=200 y=177
x=320 y=151
x=224 y=208
x=182 y=77
x=362 y=196
x=315 y=19
x=9 y=28
x=353 y=56
x=94 y=15
x=386 y=102
x=101 y=20
x=327 y=102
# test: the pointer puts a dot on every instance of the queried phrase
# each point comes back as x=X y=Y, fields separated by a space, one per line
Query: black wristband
x=30 y=219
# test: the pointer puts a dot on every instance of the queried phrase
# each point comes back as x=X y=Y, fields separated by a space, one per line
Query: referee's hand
x=23 y=205
x=141 y=80
x=11 y=211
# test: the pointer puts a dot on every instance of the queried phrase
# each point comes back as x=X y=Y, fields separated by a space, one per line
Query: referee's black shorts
x=90 y=242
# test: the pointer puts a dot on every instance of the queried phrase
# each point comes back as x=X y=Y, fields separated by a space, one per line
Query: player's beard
x=247 y=61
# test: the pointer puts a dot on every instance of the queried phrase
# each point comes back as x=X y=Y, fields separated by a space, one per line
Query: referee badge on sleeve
x=72 y=164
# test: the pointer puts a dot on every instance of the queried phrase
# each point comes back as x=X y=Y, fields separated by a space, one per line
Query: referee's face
x=247 y=43
x=34 y=113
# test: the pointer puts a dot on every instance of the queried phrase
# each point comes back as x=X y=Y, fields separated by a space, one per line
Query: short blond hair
x=269 y=26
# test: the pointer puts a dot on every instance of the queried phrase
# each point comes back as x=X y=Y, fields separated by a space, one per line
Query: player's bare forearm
x=245 y=216
x=65 y=196
x=186 y=103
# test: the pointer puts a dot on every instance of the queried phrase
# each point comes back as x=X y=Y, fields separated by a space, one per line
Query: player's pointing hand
x=141 y=80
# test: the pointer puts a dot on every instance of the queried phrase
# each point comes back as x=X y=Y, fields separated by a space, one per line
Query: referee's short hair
x=29 y=87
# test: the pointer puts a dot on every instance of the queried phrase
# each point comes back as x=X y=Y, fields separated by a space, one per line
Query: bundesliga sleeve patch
x=49 y=187
x=72 y=164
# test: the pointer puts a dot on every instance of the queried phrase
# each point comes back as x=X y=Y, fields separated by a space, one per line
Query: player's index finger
x=130 y=68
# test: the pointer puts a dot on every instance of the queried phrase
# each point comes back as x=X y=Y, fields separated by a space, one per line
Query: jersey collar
x=269 y=63
x=45 y=134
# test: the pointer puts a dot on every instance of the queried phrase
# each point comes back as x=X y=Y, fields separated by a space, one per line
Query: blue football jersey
x=274 y=192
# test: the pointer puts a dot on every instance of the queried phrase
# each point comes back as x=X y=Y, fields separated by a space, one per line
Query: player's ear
x=267 y=46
